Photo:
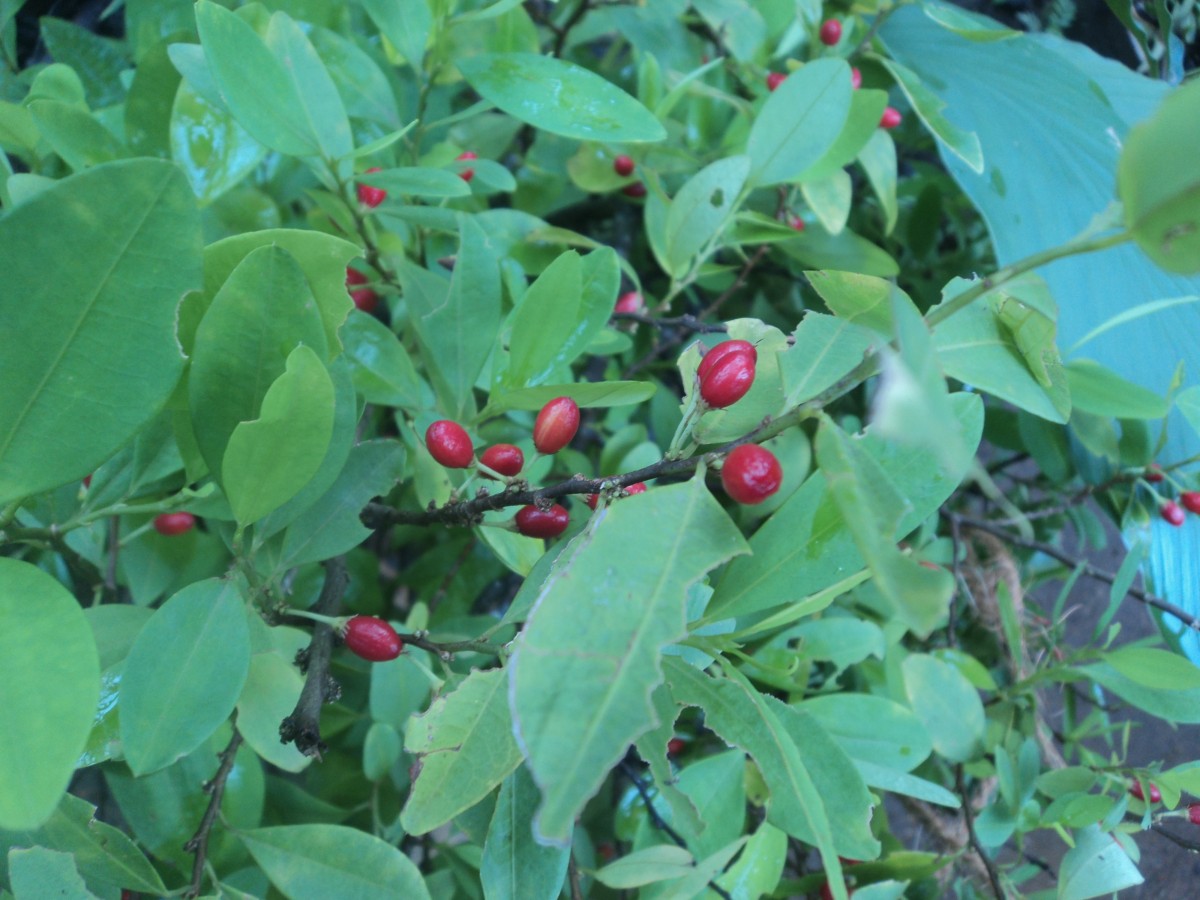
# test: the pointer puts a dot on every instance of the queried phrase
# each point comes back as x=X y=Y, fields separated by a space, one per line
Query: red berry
x=623 y=165
x=174 y=523
x=831 y=32
x=87 y=481
x=774 y=80
x=1191 y=500
x=606 y=851
x=542 y=523
x=714 y=354
x=1172 y=513
x=364 y=298
x=1136 y=790
x=675 y=746
x=373 y=639
x=467 y=174
x=637 y=189
x=629 y=302
x=503 y=458
x=891 y=118
x=727 y=380
x=751 y=474
x=556 y=425
x=797 y=223
x=855 y=78
x=1194 y=813
x=1154 y=474
x=371 y=196
x=449 y=444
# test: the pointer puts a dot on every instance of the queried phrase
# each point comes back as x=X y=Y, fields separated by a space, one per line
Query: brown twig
x=973 y=839
x=216 y=789
x=303 y=726
x=1175 y=839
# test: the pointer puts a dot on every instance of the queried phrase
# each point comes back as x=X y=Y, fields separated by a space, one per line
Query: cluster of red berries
x=1135 y=790
x=1171 y=511
x=371 y=197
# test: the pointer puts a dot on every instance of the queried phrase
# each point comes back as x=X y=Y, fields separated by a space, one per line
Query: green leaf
x=465 y=747
x=643 y=867
x=1100 y=391
x=1095 y=866
x=1160 y=201
x=701 y=210
x=418 y=181
x=878 y=160
x=715 y=789
x=273 y=685
x=514 y=865
x=381 y=750
x=582 y=105
x=866 y=108
x=75 y=135
x=605 y=673
x=864 y=300
x=184 y=674
x=800 y=122
x=965 y=23
x=899 y=782
x=98 y=60
x=947 y=704
x=405 y=25
x=824 y=350
x=48 y=710
x=586 y=393
x=256 y=85
x=829 y=198
x=101 y=328
x=243 y=346
x=320 y=102
x=872 y=728
x=928 y=106
x=542 y=320
x=1181 y=704
x=383 y=370
x=316 y=862
x=207 y=142
x=758 y=870
x=41 y=874
x=271 y=458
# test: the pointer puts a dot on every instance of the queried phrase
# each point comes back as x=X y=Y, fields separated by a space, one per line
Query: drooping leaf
x=515 y=866
x=48 y=709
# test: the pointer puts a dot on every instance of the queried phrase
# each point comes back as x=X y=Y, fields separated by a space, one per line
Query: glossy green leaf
x=1100 y=391
x=800 y=122
x=701 y=210
x=928 y=105
x=465 y=746
x=315 y=862
x=319 y=99
x=824 y=350
x=418 y=182
x=243 y=345
x=383 y=370
x=272 y=688
x=106 y=858
x=254 y=83
x=514 y=865
x=184 y=674
x=948 y=706
x=586 y=394
x=101 y=328
x=271 y=458
x=45 y=637
x=560 y=97
x=1095 y=866
x=1160 y=201
x=606 y=671
x=37 y=873
x=75 y=135
x=207 y=142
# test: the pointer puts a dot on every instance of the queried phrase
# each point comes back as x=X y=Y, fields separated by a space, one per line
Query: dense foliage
x=500 y=449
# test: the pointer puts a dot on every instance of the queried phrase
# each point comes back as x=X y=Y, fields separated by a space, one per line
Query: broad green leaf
x=272 y=688
x=214 y=151
x=947 y=704
x=37 y=873
x=106 y=858
x=928 y=105
x=271 y=458
x=381 y=751
x=816 y=248
x=701 y=210
x=643 y=867
x=824 y=350
x=399 y=688
x=316 y=862
x=878 y=161
x=1095 y=866
x=543 y=324
x=184 y=674
x=383 y=370
x=864 y=300
x=465 y=747
x=1179 y=704
x=254 y=83
x=406 y=25
x=514 y=865
x=593 y=641
x=75 y=135
x=418 y=182
x=148 y=105
x=758 y=870
x=1160 y=201
x=800 y=122
x=115 y=626
x=715 y=786
x=866 y=107
x=585 y=393
x=48 y=709
x=1100 y=391
x=830 y=198
x=98 y=60
x=321 y=105
x=101 y=328
x=896 y=781
x=243 y=345
x=872 y=728
x=560 y=97
x=365 y=90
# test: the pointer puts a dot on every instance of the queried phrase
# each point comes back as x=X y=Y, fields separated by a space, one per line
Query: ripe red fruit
x=637 y=189
x=364 y=298
x=373 y=639
x=1191 y=501
x=775 y=79
x=831 y=32
x=751 y=474
x=449 y=444
x=1194 y=813
x=629 y=302
x=1136 y=791
x=87 y=481
x=891 y=118
x=1172 y=513
x=542 y=523
x=855 y=78
x=174 y=523
x=797 y=223
x=467 y=174
x=503 y=458
x=371 y=196
x=675 y=746
x=1154 y=474
x=714 y=354
x=623 y=165
x=556 y=425
x=727 y=380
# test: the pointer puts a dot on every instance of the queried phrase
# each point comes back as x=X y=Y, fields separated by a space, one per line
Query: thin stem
x=216 y=789
x=969 y=817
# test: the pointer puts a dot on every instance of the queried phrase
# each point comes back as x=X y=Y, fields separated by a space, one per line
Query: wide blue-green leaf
x=184 y=674
x=593 y=642
x=560 y=97
x=515 y=866
x=48 y=703
x=316 y=862
x=97 y=339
